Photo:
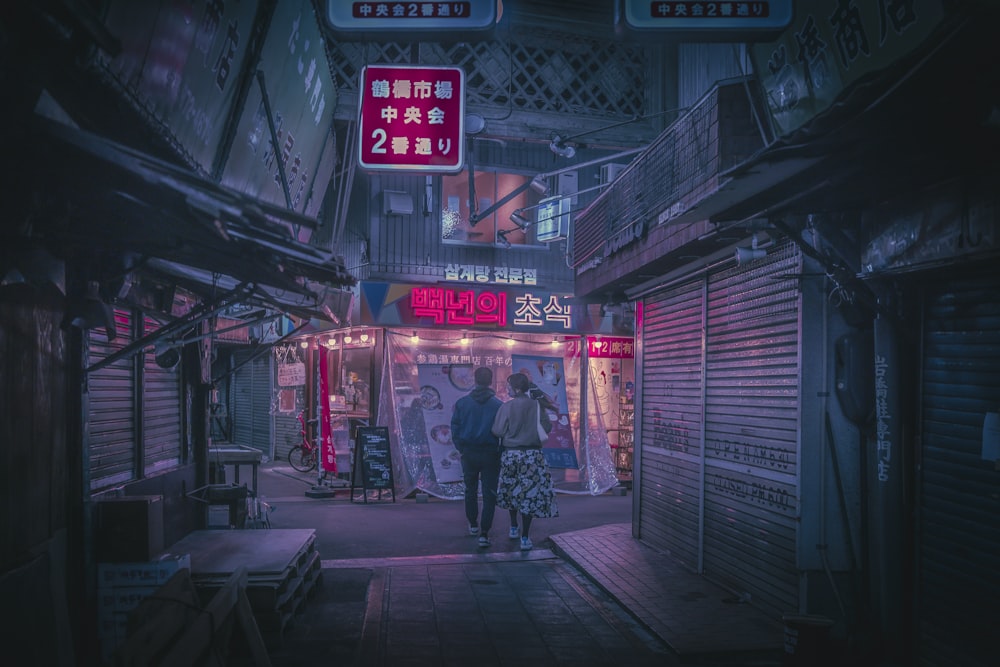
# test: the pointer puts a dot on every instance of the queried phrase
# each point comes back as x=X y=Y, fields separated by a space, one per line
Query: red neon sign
x=459 y=307
x=412 y=118
x=608 y=347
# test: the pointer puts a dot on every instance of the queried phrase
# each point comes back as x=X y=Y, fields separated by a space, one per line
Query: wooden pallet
x=173 y=627
x=282 y=569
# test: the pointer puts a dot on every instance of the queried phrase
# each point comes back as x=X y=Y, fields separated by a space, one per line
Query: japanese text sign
x=830 y=45
x=375 y=16
x=604 y=347
x=412 y=118
x=708 y=16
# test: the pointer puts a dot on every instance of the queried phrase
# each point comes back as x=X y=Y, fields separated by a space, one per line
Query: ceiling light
x=414 y=338
x=304 y=344
x=348 y=339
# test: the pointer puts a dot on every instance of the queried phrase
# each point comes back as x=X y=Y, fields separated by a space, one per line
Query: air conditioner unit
x=611 y=171
x=397 y=203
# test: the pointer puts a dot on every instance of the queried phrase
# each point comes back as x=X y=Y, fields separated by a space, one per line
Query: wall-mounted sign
x=552 y=219
x=510 y=309
x=411 y=118
x=497 y=275
x=382 y=16
x=603 y=347
x=291 y=374
x=749 y=15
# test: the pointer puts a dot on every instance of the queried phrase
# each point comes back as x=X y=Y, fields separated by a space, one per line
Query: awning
x=114 y=212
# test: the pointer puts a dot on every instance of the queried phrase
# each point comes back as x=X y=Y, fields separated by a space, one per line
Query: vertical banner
x=438 y=395
x=328 y=456
x=549 y=376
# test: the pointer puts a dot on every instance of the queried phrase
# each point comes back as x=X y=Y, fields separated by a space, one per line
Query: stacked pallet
x=283 y=568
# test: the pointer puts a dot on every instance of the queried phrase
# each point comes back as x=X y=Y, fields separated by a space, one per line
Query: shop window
x=490 y=186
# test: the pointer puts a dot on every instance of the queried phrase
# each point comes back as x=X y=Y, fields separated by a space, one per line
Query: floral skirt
x=526 y=484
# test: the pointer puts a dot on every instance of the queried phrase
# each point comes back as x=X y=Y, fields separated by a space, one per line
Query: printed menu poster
x=441 y=385
x=549 y=375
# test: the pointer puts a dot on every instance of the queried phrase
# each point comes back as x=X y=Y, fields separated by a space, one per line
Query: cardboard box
x=149 y=573
x=128 y=528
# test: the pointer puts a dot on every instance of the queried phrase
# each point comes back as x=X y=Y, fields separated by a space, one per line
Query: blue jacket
x=472 y=419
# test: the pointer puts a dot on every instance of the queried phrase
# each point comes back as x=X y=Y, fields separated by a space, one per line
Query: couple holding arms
x=500 y=447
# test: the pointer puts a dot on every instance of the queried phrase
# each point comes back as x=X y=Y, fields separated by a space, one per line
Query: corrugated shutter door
x=161 y=413
x=671 y=414
x=252 y=402
x=751 y=428
x=111 y=406
x=959 y=507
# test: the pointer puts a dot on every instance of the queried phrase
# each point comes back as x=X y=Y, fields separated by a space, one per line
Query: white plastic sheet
x=421 y=380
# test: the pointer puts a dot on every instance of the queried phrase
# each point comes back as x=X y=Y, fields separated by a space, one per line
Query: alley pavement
x=403 y=583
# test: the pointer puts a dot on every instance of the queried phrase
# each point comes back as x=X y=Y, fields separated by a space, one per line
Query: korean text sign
x=412 y=118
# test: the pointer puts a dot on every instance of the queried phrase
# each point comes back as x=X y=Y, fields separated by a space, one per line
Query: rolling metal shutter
x=752 y=428
x=252 y=392
x=959 y=507
x=671 y=410
x=111 y=433
x=161 y=413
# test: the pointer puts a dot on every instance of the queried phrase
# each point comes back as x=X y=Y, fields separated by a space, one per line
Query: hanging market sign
x=411 y=119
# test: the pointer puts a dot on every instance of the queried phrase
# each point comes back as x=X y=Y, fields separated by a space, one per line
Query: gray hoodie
x=515 y=423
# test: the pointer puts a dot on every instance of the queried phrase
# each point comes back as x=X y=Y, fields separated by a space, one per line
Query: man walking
x=471 y=424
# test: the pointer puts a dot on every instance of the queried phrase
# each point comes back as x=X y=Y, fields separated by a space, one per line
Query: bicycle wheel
x=302 y=460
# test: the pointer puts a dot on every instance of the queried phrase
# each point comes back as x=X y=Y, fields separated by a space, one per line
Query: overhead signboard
x=552 y=220
x=412 y=118
x=301 y=97
x=747 y=16
x=433 y=17
x=181 y=62
x=831 y=46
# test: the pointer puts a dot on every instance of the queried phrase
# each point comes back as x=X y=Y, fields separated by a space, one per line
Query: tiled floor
x=692 y=615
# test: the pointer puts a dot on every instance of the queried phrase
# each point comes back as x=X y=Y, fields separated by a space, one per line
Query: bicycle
x=304 y=456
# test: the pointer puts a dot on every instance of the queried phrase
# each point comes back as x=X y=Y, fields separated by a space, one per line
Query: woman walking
x=526 y=489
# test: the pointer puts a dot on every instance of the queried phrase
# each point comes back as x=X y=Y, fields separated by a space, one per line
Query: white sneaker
x=514 y=533
x=483 y=541
x=473 y=530
x=526 y=544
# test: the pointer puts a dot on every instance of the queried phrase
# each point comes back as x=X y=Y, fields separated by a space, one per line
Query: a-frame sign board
x=372 y=465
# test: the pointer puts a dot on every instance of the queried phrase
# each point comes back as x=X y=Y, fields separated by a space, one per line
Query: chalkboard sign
x=373 y=461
